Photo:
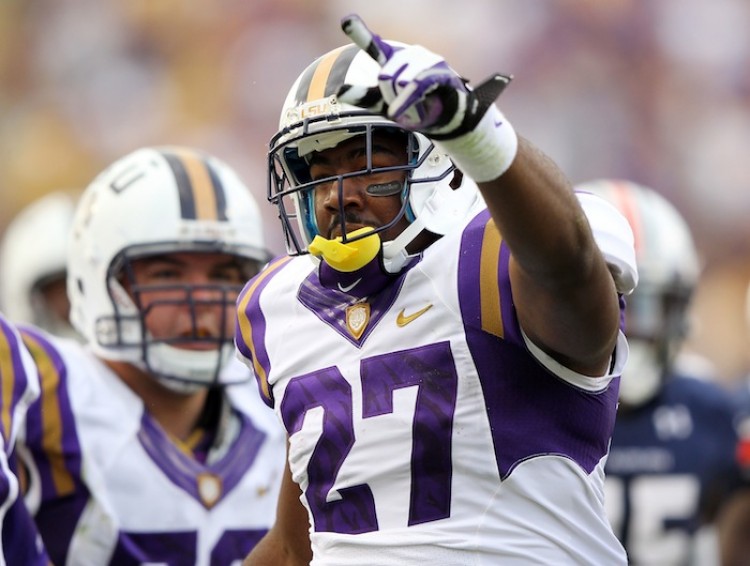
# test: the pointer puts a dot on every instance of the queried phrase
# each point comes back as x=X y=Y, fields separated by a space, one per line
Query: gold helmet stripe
x=201 y=192
x=325 y=76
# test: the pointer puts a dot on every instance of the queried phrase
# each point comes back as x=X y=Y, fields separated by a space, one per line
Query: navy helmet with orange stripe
x=152 y=202
x=313 y=119
x=656 y=321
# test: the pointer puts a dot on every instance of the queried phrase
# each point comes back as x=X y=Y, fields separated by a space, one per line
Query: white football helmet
x=668 y=268
x=32 y=257
x=151 y=202
x=313 y=119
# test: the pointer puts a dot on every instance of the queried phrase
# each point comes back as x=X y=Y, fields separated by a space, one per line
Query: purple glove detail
x=361 y=35
x=417 y=88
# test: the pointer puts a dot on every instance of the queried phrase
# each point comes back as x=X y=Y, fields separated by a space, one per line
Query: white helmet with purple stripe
x=154 y=201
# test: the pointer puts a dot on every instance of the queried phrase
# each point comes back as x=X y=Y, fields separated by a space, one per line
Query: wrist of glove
x=485 y=152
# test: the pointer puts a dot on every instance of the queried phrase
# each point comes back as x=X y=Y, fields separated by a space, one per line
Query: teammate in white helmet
x=150 y=444
x=33 y=257
x=673 y=448
x=445 y=353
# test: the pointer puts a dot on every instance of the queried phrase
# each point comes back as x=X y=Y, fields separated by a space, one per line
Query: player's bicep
x=576 y=324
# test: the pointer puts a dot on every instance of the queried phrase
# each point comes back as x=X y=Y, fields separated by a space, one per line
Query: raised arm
x=563 y=292
x=564 y=295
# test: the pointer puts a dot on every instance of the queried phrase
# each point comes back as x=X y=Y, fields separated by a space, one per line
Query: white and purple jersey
x=109 y=486
x=423 y=426
x=19 y=387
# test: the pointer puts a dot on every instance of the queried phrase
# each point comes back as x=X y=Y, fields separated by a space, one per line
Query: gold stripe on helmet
x=201 y=184
x=322 y=72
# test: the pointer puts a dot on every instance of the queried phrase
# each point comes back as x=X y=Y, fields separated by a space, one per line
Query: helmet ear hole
x=457 y=179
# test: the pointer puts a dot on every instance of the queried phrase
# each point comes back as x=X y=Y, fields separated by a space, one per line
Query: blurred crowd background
x=654 y=91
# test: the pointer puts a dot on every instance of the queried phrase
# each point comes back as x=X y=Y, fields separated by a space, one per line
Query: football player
x=149 y=444
x=446 y=369
x=673 y=447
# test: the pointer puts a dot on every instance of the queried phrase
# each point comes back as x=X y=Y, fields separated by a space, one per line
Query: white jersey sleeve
x=614 y=236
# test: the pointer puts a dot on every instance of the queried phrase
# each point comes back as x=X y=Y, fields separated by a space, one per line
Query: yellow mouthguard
x=350 y=256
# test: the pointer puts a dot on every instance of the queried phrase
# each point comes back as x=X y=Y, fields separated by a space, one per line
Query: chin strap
x=394 y=252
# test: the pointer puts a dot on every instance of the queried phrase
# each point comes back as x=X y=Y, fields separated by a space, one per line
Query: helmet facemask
x=291 y=188
x=656 y=319
x=184 y=362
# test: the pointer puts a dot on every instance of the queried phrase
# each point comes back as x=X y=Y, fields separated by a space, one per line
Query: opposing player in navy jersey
x=149 y=444
x=19 y=387
x=673 y=447
x=444 y=353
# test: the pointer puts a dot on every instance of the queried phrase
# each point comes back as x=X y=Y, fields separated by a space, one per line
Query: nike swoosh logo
x=347 y=288
x=403 y=320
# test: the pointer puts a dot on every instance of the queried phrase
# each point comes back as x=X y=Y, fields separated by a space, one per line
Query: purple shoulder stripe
x=484 y=283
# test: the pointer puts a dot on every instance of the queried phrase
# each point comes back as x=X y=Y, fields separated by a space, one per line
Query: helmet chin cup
x=187 y=371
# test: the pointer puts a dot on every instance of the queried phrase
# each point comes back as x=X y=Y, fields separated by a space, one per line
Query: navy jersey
x=668 y=461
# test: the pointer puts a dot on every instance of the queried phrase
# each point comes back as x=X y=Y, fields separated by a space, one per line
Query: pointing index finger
x=360 y=34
